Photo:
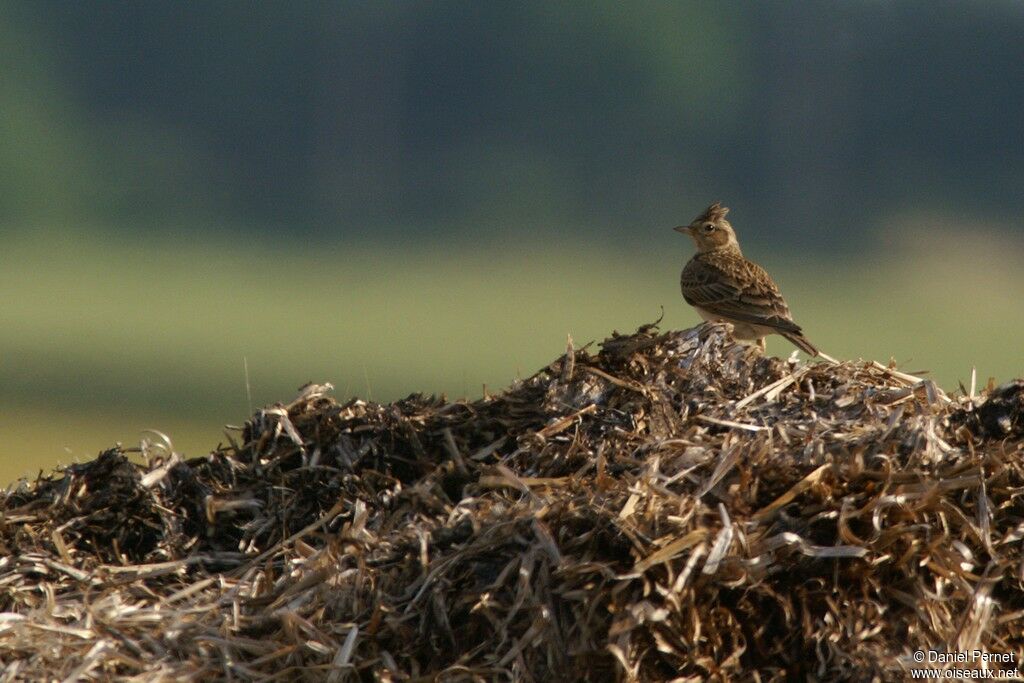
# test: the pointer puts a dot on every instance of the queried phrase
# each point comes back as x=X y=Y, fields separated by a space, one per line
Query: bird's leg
x=761 y=344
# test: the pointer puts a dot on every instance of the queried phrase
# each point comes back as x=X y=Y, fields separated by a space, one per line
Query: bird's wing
x=737 y=289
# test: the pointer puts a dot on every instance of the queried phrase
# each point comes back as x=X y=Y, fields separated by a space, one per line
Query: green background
x=404 y=197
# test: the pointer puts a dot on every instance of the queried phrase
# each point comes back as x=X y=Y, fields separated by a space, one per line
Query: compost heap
x=671 y=507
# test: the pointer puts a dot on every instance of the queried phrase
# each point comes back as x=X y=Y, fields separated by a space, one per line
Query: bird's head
x=711 y=230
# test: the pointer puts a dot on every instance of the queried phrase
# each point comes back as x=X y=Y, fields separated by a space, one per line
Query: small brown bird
x=724 y=286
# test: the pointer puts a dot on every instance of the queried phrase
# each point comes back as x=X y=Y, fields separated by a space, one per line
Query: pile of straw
x=673 y=507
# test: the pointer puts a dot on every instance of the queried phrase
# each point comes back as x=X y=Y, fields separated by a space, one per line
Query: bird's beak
x=685 y=229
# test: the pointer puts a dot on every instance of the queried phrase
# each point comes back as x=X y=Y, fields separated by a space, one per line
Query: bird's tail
x=801 y=342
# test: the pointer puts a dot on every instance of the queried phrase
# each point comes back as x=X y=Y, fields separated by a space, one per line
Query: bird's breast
x=704 y=313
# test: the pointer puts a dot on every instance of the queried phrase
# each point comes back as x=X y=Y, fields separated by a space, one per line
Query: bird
x=722 y=285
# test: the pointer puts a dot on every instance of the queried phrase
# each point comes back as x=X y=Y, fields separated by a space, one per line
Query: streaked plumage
x=723 y=285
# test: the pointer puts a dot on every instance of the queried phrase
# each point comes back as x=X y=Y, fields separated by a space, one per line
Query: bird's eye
x=708 y=228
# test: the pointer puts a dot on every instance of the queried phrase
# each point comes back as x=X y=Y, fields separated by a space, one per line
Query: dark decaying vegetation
x=672 y=507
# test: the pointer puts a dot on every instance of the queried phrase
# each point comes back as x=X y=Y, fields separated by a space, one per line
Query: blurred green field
x=103 y=337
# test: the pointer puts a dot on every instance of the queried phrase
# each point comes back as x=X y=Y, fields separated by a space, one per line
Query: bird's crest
x=714 y=213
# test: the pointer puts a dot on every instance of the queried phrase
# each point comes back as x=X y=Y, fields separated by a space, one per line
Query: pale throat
x=730 y=247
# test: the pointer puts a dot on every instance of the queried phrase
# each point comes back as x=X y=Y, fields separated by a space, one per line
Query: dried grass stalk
x=674 y=507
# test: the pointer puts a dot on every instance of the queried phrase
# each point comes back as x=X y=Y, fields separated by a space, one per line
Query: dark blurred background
x=205 y=205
